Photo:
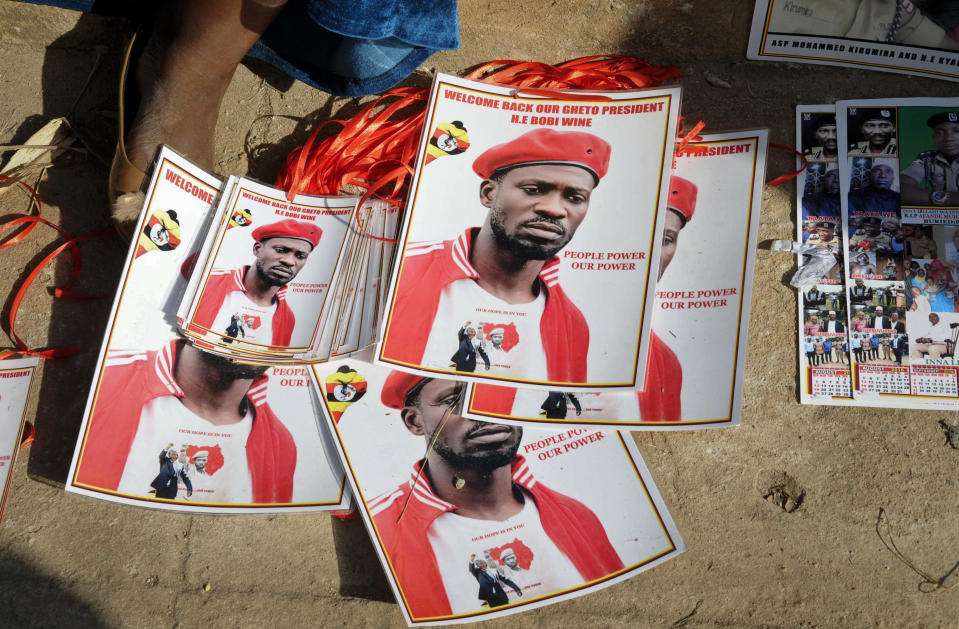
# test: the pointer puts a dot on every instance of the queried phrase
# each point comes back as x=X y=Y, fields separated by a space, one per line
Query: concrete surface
x=70 y=561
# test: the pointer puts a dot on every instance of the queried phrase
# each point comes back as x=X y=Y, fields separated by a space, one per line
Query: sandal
x=126 y=183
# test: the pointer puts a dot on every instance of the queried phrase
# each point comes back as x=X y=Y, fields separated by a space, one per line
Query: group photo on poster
x=516 y=223
x=475 y=518
x=173 y=426
x=704 y=261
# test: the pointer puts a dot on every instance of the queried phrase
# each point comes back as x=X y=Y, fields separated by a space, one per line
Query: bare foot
x=182 y=75
x=180 y=94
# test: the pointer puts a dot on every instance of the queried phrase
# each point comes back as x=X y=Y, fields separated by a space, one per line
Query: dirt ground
x=779 y=515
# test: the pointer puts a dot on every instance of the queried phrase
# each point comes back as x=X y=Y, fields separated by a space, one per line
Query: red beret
x=289 y=228
x=545 y=146
x=397 y=385
x=682 y=197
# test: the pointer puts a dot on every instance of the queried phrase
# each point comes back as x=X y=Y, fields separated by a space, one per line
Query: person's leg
x=185 y=69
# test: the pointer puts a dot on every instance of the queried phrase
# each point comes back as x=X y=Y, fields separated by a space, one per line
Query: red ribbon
x=781 y=179
x=64 y=291
x=376 y=148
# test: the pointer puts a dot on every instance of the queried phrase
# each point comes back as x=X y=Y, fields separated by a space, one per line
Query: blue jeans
x=350 y=48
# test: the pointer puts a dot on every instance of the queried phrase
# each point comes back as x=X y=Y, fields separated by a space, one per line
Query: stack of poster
x=894 y=328
x=701 y=308
x=910 y=37
x=287 y=281
x=171 y=426
x=561 y=272
x=515 y=324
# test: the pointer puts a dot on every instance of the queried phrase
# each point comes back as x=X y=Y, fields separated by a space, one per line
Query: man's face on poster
x=200 y=461
x=877 y=131
x=509 y=558
x=673 y=225
x=933 y=318
x=826 y=136
x=496 y=339
x=946 y=137
x=881 y=176
x=831 y=182
x=279 y=259
x=463 y=443
x=873 y=228
x=825 y=233
x=535 y=210
x=159 y=235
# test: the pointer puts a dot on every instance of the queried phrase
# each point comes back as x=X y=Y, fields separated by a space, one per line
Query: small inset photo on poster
x=825 y=231
x=931 y=286
x=874 y=186
x=929 y=151
x=872 y=131
x=819 y=139
x=879 y=232
x=474 y=520
x=826 y=297
x=933 y=337
x=820 y=195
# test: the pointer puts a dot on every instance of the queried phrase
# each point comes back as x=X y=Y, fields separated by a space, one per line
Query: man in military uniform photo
x=877 y=127
x=933 y=177
x=825 y=134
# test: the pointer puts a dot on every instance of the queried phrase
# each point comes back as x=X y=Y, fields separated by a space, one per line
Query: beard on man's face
x=478 y=457
x=229 y=370
x=526 y=249
x=269 y=278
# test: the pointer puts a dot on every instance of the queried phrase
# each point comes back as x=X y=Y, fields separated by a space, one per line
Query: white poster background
x=624 y=213
x=715 y=251
x=16 y=379
x=379 y=452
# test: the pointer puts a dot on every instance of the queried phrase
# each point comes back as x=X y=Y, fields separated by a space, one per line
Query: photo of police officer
x=873 y=131
x=819 y=137
x=931 y=178
x=869 y=232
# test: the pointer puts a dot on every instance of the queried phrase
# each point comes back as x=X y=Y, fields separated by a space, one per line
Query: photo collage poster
x=899 y=171
x=701 y=312
x=523 y=211
x=172 y=427
x=474 y=520
x=824 y=373
x=905 y=36
x=16 y=381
